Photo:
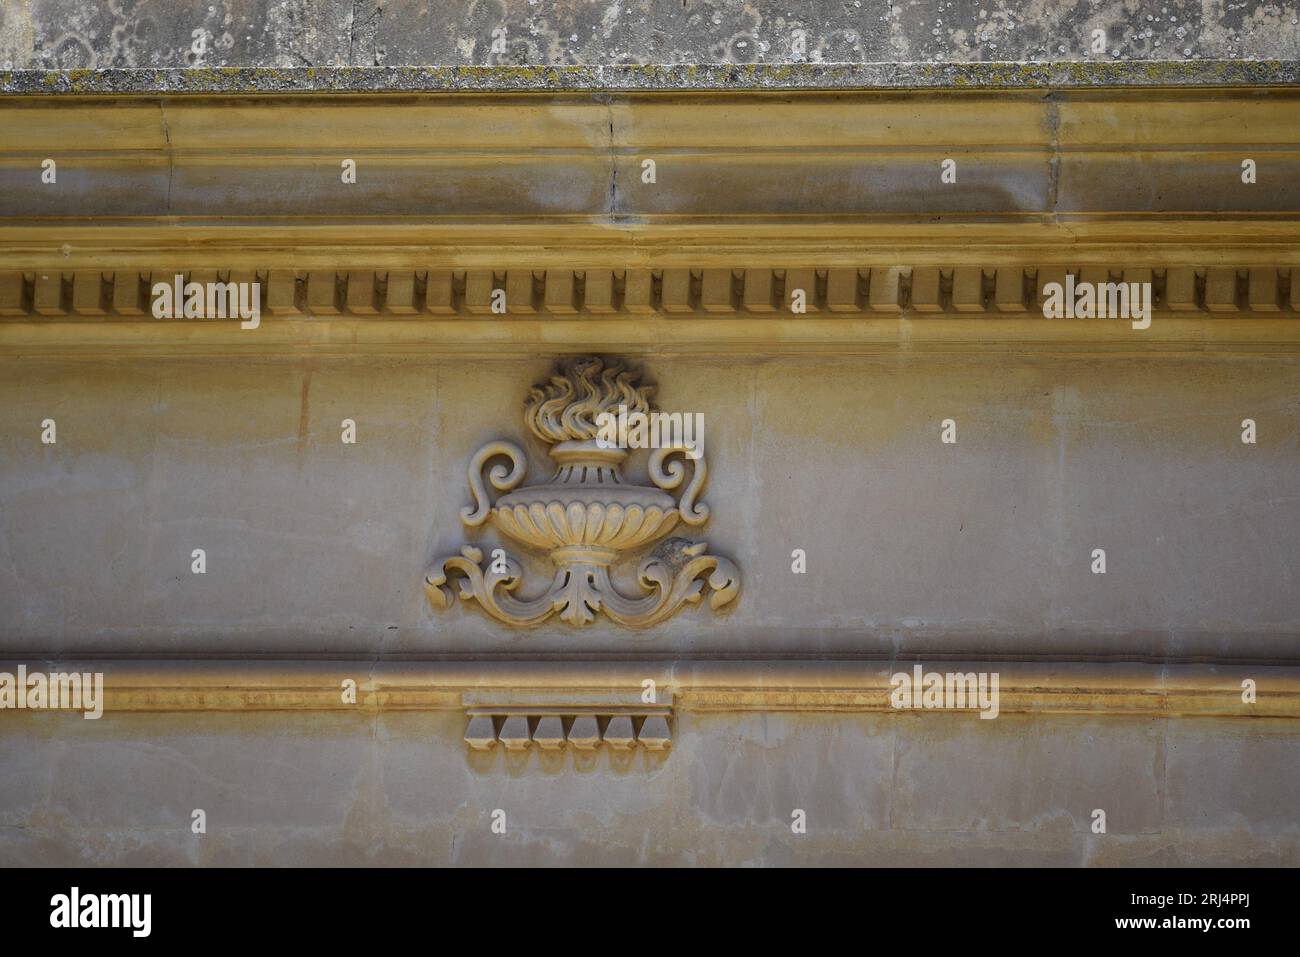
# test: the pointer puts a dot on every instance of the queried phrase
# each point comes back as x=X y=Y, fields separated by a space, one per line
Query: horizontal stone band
x=922 y=290
x=1128 y=688
x=633 y=76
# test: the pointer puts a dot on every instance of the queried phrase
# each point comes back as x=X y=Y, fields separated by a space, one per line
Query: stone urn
x=587 y=516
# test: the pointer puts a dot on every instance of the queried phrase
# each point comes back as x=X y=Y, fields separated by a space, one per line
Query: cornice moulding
x=791 y=158
x=757 y=186
x=692 y=336
x=853 y=309
x=1027 y=240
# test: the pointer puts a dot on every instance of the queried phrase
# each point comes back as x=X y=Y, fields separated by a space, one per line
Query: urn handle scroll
x=693 y=512
x=502 y=480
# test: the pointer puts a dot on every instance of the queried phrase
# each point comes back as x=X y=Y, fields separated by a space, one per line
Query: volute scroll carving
x=587 y=516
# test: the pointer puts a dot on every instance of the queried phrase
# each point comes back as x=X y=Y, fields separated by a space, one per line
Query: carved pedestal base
x=672 y=576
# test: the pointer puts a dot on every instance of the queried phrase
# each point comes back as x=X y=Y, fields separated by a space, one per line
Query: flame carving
x=566 y=408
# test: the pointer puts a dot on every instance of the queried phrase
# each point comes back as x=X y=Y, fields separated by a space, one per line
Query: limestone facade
x=278 y=544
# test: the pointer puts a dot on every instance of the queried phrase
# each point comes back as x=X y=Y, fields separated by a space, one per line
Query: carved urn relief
x=587 y=516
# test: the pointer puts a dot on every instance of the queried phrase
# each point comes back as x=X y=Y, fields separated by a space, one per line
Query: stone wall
x=397 y=789
x=914 y=546
x=303 y=691
x=315 y=551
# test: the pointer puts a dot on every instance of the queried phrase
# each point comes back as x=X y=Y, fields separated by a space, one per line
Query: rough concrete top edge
x=650 y=78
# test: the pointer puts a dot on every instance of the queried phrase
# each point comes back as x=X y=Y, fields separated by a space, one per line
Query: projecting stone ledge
x=632 y=77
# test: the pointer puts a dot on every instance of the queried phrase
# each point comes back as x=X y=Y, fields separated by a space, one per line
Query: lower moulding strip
x=568 y=688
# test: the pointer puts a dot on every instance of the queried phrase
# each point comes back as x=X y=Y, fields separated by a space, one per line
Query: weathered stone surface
x=943 y=779
x=316 y=547
x=652 y=77
x=887 y=790
x=152 y=34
